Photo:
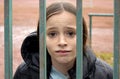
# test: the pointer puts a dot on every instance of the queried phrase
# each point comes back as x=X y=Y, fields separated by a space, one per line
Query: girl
x=61 y=49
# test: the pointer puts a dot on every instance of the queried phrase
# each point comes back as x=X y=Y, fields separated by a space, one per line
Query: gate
x=8 y=38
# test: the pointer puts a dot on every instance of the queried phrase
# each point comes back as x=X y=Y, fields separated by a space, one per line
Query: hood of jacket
x=30 y=51
x=30 y=54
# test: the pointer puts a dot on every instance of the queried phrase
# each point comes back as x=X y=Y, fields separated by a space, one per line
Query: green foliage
x=106 y=56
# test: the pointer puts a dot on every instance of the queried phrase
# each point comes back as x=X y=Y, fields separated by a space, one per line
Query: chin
x=64 y=61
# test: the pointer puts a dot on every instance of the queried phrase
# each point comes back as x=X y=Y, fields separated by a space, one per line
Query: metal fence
x=91 y=15
x=8 y=38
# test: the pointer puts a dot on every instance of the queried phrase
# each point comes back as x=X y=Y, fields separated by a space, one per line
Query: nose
x=62 y=41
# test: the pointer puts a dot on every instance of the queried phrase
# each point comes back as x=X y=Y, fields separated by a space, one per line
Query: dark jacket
x=93 y=68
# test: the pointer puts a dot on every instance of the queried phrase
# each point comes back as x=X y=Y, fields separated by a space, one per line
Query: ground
x=25 y=18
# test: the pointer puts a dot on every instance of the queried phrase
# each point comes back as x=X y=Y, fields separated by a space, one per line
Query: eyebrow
x=70 y=28
x=52 y=28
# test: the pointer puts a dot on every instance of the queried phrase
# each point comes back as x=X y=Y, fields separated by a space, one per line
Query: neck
x=64 y=67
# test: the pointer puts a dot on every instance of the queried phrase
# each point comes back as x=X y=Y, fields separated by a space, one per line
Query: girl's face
x=61 y=37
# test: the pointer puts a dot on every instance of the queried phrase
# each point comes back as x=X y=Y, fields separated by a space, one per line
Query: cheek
x=50 y=44
x=73 y=44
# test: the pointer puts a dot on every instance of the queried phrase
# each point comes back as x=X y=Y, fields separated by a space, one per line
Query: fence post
x=90 y=30
x=79 y=69
x=116 y=39
x=42 y=39
x=8 y=38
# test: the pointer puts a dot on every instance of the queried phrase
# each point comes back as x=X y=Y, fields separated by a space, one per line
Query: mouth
x=62 y=51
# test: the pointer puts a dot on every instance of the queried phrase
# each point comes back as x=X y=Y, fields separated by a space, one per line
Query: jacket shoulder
x=21 y=72
x=104 y=70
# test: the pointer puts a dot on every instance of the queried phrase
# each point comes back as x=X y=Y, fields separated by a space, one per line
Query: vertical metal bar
x=90 y=30
x=42 y=39
x=79 y=49
x=8 y=38
x=116 y=39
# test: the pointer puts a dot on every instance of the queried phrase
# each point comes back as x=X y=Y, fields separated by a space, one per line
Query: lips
x=62 y=51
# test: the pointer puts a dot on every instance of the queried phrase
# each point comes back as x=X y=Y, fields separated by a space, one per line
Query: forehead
x=64 y=18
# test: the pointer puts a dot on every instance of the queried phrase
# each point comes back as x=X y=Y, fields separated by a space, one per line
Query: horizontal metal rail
x=101 y=14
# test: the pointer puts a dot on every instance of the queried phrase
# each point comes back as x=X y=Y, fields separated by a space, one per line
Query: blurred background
x=25 y=19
